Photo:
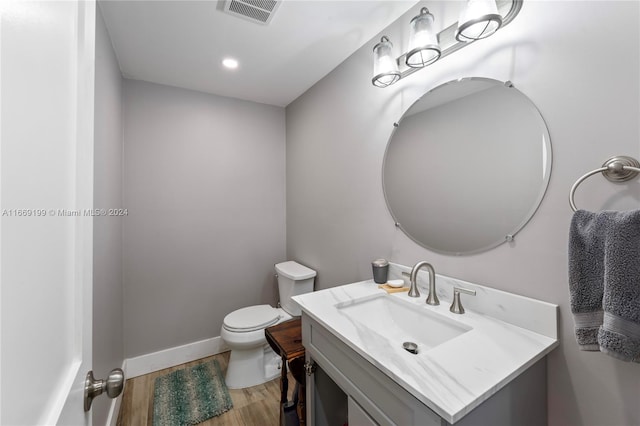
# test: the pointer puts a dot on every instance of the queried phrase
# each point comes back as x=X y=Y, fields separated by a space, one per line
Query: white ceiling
x=182 y=43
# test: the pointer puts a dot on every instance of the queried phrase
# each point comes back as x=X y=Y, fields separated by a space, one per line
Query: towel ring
x=616 y=169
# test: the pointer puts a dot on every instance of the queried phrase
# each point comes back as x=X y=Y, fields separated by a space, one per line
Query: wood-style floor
x=257 y=405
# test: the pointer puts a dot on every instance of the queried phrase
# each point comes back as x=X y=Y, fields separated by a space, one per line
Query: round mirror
x=467 y=166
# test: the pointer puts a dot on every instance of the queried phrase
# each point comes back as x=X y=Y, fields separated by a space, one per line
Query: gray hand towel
x=619 y=335
x=586 y=276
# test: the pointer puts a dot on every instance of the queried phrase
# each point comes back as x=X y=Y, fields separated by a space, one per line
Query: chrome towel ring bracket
x=616 y=169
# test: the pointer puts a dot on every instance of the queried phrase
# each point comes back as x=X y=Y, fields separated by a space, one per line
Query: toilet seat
x=251 y=318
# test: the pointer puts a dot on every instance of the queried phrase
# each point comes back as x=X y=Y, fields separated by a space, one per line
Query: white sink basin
x=402 y=321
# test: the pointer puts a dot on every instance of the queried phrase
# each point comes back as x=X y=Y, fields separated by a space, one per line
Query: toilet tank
x=293 y=279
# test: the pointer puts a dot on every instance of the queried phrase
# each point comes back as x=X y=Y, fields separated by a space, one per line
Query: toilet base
x=251 y=367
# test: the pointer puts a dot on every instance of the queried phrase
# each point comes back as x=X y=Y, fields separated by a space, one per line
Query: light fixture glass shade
x=479 y=19
x=423 y=41
x=385 y=67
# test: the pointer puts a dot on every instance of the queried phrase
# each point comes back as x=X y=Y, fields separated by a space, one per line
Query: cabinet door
x=357 y=416
x=326 y=402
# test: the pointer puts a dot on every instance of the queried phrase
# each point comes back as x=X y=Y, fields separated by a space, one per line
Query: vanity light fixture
x=423 y=42
x=479 y=19
x=230 y=63
x=385 y=67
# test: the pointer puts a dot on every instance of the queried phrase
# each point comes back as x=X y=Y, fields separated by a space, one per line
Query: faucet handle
x=456 y=306
x=406 y=274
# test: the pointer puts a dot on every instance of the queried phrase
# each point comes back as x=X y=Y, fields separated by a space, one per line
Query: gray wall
x=205 y=189
x=108 y=350
x=579 y=63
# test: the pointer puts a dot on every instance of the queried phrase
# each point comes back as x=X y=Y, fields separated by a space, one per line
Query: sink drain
x=410 y=347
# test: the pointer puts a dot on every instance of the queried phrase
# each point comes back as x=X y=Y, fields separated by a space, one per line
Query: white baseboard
x=112 y=418
x=145 y=364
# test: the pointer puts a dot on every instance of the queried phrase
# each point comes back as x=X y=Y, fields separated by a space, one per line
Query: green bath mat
x=190 y=396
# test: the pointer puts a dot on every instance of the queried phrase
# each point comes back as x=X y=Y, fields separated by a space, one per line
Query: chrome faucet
x=432 y=298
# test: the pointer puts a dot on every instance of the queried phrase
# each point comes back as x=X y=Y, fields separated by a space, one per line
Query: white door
x=46 y=182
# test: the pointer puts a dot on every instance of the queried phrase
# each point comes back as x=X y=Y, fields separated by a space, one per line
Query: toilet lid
x=251 y=318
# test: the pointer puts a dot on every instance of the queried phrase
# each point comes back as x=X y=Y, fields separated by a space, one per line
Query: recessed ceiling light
x=230 y=63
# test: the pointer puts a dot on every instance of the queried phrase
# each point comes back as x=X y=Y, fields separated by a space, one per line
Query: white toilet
x=252 y=361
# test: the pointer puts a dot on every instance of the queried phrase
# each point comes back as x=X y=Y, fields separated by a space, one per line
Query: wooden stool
x=286 y=340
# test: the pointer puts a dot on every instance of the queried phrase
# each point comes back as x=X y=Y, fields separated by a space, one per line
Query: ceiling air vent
x=260 y=11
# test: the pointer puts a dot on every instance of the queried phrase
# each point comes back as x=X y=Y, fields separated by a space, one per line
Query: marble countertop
x=509 y=333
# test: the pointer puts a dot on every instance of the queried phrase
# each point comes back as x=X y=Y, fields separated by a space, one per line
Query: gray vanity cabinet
x=346 y=388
